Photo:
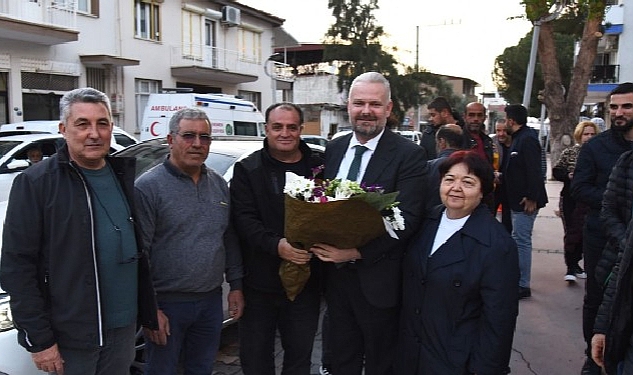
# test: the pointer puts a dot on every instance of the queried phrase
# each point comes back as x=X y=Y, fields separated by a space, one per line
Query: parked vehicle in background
x=413 y=136
x=229 y=115
x=314 y=139
x=119 y=136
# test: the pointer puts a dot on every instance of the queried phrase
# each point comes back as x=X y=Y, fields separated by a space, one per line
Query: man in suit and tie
x=363 y=284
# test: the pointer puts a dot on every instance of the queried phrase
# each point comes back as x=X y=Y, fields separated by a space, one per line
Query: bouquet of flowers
x=342 y=213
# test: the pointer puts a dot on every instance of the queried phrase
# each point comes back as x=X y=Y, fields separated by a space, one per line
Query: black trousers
x=593 y=243
x=360 y=334
x=297 y=322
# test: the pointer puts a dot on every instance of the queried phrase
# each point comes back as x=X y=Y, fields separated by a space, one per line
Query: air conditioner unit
x=230 y=16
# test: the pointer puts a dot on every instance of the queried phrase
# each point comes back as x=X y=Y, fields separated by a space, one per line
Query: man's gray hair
x=189 y=114
x=372 y=77
x=82 y=95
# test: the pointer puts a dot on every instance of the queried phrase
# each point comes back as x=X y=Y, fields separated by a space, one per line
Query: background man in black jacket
x=257 y=195
x=525 y=188
x=595 y=163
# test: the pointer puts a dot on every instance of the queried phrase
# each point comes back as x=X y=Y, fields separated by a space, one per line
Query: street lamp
x=274 y=58
x=529 y=77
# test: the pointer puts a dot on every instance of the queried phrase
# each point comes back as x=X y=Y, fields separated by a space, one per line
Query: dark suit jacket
x=460 y=305
x=523 y=176
x=397 y=165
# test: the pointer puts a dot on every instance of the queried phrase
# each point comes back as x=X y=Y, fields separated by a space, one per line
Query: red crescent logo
x=151 y=129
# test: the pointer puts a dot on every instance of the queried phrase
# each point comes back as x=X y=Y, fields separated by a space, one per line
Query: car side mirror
x=18 y=164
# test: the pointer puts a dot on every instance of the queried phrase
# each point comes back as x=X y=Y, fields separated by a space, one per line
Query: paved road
x=548 y=339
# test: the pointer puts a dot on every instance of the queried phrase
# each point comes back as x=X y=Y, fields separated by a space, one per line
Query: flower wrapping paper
x=345 y=224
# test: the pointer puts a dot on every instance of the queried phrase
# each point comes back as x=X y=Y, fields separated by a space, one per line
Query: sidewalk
x=548 y=338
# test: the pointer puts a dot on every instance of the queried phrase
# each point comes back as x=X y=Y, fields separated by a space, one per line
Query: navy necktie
x=354 y=168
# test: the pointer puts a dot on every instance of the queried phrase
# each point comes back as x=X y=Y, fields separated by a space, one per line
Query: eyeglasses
x=205 y=139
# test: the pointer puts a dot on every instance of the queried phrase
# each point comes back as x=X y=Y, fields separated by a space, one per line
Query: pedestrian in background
x=440 y=113
x=70 y=260
x=595 y=162
x=449 y=138
x=257 y=194
x=571 y=213
x=474 y=137
x=363 y=284
x=525 y=188
x=460 y=300
x=184 y=216
x=501 y=145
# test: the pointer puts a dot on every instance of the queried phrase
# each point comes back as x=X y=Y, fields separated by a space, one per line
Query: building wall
x=112 y=33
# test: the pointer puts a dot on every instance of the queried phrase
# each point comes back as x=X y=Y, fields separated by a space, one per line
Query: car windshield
x=6 y=146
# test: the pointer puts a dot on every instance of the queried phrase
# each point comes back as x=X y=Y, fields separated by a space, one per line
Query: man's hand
x=329 y=253
x=159 y=337
x=597 y=348
x=49 y=360
x=292 y=254
x=529 y=206
x=236 y=304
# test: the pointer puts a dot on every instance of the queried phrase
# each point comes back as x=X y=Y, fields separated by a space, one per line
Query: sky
x=456 y=37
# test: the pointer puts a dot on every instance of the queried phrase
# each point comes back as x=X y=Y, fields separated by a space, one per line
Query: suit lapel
x=335 y=155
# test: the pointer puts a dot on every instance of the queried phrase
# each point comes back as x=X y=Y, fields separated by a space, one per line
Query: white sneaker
x=570 y=277
x=324 y=370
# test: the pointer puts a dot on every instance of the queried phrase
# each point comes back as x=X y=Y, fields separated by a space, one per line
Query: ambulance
x=229 y=115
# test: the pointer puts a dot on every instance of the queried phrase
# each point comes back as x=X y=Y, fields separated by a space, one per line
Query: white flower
x=297 y=186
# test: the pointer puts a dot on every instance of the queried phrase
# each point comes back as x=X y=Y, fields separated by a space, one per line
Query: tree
x=564 y=104
x=511 y=67
x=354 y=42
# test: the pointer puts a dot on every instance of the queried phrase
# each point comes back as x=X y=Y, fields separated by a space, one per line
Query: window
x=144 y=87
x=147 y=20
x=96 y=78
x=251 y=96
x=250 y=45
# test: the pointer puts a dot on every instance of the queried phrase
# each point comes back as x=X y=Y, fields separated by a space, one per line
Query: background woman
x=571 y=213
x=461 y=273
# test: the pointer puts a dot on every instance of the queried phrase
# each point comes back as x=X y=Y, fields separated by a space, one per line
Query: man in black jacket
x=70 y=251
x=525 y=188
x=595 y=163
x=257 y=195
x=474 y=137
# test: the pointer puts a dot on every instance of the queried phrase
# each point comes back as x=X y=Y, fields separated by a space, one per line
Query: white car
x=120 y=138
x=413 y=136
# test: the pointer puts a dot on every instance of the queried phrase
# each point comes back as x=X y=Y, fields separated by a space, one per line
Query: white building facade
x=129 y=49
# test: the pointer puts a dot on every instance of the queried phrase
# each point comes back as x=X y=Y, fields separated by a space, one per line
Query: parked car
x=314 y=139
x=413 y=136
x=120 y=136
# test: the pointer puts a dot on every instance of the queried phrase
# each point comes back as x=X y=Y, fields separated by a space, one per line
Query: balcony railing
x=605 y=74
x=46 y=12
x=214 y=58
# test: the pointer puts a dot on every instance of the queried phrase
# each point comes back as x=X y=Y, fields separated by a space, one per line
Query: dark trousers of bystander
x=593 y=243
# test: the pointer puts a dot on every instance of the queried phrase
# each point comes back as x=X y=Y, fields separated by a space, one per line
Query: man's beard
x=622 y=128
x=368 y=131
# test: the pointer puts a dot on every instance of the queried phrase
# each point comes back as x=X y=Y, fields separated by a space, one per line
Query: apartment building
x=130 y=49
x=614 y=61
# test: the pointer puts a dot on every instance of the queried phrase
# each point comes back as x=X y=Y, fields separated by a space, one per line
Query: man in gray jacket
x=183 y=212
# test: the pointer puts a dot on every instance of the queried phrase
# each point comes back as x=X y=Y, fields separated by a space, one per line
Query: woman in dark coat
x=461 y=272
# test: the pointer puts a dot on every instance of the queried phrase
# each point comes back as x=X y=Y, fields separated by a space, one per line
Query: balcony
x=605 y=74
x=205 y=63
x=45 y=22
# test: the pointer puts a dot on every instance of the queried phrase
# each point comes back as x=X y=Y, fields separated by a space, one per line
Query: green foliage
x=511 y=67
x=354 y=41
